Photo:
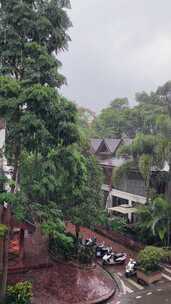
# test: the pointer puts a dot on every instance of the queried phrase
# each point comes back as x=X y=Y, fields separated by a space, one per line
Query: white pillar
x=130 y=217
x=130 y=203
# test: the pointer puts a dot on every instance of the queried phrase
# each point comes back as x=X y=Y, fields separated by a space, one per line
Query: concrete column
x=130 y=203
x=130 y=217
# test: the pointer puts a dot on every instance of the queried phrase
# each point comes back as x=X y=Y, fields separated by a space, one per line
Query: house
x=123 y=197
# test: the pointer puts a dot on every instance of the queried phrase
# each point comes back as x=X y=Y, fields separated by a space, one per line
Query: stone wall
x=36 y=244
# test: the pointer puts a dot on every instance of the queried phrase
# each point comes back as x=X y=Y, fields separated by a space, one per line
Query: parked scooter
x=131 y=268
x=90 y=242
x=114 y=258
x=101 y=250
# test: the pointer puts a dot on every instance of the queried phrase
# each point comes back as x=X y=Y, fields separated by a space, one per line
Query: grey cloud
x=118 y=48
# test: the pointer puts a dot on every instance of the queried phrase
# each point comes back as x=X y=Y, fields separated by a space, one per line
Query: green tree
x=38 y=119
x=156 y=217
x=119 y=103
x=30 y=33
x=86 y=204
x=147 y=152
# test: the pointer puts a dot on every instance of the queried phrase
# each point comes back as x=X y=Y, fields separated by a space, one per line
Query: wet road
x=157 y=296
x=160 y=294
x=133 y=292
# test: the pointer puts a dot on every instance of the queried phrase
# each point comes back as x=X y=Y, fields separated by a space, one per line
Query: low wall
x=36 y=245
x=120 y=238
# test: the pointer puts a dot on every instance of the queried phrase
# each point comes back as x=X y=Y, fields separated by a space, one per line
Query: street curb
x=102 y=298
x=120 y=284
x=116 y=279
x=165 y=265
x=105 y=297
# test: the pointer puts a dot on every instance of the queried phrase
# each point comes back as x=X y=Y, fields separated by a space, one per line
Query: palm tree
x=156 y=217
x=147 y=151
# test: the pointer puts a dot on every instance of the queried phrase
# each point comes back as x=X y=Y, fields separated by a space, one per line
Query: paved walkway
x=87 y=233
x=132 y=292
x=67 y=284
x=63 y=283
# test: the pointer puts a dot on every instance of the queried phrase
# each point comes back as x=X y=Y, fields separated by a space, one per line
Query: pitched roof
x=95 y=143
x=112 y=143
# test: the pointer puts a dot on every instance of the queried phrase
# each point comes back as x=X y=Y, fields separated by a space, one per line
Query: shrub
x=20 y=293
x=103 y=219
x=119 y=224
x=150 y=258
x=63 y=245
x=166 y=258
x=3 y=230
x=86 y=254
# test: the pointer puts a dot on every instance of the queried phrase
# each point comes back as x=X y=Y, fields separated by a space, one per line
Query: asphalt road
x=160 y=295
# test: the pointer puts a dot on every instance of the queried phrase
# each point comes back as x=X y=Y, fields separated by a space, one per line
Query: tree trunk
x=5 y=269
x=6 y=218
x=22 y=244
x=148 y=185
x=1 y=257
x=77 y=231
x=168 y=188
x=168 y=233
x=15 y=177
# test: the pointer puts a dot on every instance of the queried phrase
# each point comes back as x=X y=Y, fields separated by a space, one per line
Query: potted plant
x=149 y=264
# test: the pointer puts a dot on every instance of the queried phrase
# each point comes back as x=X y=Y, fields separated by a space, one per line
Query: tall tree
x=32 y=32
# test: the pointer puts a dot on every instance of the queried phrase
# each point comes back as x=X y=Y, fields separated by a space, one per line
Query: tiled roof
x=112 y=143
x=95 y=143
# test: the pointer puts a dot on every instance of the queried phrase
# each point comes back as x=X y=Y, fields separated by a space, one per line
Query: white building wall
x=3 y=161
x=126 y=195
x=2 y=138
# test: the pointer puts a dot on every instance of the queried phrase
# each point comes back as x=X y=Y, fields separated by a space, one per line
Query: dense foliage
x=20 y=293
x=149 y=258
x=148 y=124
x=44 y=143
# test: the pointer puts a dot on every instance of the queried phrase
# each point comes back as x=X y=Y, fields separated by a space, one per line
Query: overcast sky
x=118 y=48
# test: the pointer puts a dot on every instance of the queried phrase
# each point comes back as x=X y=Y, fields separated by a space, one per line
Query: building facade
x=122 y=198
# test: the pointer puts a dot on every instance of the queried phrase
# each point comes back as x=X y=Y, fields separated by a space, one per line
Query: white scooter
x=90 y=242
x=131 y=268
x=114 y=258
